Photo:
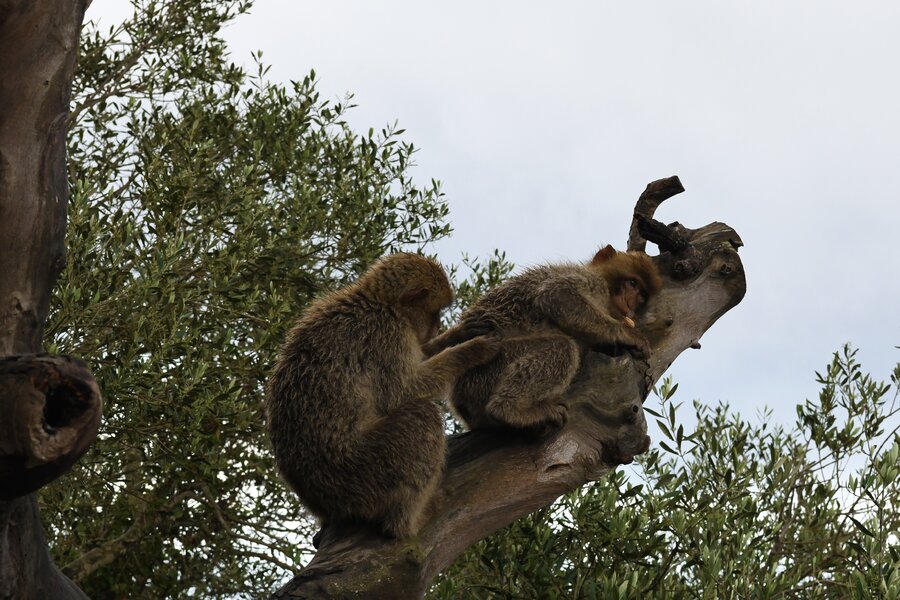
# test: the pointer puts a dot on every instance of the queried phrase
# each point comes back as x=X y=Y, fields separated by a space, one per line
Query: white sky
x=545 y=122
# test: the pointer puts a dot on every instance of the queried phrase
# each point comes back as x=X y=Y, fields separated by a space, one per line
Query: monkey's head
x=632 y=278
x=415 y=286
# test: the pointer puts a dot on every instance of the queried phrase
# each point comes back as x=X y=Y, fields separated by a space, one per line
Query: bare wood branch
x=662 y=235
x=655 y=194
x=495 y=477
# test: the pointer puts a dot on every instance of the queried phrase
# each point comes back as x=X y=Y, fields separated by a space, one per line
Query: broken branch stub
x=494 y=476
x=51 y=407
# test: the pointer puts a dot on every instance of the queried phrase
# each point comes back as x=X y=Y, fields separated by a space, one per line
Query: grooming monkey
x=350 y=403
x=546 y=319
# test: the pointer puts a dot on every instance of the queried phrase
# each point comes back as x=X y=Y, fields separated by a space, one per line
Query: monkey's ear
x=414 y=295
x=604 y=255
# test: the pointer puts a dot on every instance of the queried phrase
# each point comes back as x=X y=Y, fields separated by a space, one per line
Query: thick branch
x=495 y=477
x=666 y=238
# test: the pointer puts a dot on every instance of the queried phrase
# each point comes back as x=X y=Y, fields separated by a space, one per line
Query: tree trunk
x=50 y=405
x=494 y=477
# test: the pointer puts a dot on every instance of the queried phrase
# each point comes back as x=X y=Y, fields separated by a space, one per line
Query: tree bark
x=50 y=405
x=52 y=409
x=495 y=477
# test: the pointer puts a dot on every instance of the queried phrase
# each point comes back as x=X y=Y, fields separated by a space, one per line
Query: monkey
x=546 y=319
x=350 y=403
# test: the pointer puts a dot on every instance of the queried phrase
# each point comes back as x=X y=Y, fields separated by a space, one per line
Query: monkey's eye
x=631 y=283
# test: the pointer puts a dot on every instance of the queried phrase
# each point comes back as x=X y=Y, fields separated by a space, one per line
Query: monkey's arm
x=435 y=376
x=564 y=302
x=463 y=331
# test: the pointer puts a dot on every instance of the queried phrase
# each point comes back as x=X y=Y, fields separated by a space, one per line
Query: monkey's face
x=433 y=327
x=426 y=310
x=629 y=297
x=425 y=325
x=424 y=317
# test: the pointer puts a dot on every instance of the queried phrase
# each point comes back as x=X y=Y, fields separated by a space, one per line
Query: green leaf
x=861 y=527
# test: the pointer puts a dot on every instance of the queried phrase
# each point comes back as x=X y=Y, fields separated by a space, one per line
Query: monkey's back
x=512 y=308
x=537 y=360
x=320 y=398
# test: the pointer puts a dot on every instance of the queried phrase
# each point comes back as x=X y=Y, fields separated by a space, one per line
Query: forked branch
x=644 y=227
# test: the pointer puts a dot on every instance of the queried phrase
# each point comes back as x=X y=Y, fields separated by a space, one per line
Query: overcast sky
x=545 y=121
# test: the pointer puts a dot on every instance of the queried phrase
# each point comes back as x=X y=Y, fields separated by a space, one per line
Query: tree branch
x=495 y=477
x=109 y=551
x=655 y=194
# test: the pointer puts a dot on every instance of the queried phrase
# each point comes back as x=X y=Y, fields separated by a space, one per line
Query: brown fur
x=546 y=318
x=350 y=403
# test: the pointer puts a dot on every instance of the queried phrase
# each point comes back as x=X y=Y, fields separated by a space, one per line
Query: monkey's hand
x=459 y=333
x=437 y=374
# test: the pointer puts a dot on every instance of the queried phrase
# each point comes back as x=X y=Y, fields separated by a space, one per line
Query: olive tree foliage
x=208 y=206
x=733 y=509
